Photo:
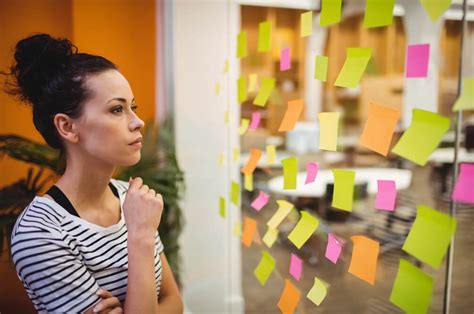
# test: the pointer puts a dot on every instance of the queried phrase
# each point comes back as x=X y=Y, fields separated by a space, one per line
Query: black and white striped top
x=62 y=260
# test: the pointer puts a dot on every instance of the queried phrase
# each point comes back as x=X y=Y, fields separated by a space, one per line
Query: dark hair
x=51 y=75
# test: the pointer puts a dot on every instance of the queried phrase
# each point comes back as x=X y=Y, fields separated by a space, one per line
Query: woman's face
x=109 y=124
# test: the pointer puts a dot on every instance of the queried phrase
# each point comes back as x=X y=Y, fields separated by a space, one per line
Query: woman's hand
x=109 y=303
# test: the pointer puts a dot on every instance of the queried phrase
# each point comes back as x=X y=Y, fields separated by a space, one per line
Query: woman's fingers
x=104 y=293
x=108 y=303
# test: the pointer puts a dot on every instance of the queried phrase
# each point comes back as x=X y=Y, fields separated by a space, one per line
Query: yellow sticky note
x=343 y=193
x=354 y=67
x=238 y=228
x=328 y=125
x=264 y=268
x=318 y=292
x=241 y=89
x=289 y=298
x=365 y=253
x=270 y=237
x=266 y=89
x=271 y=154
x=244 y=125
x=250 y=226
x=242 y=44
x=378 y=13
x=253 y=82
x=248 y=182
x=226 y=117
x=283 y=210
x=217 y=88
x=235 y=154
x=226 y=66
x=264 y=29
x=435 y=8
x=466 y=99
x=290 y=172
x=321 y=68
x=330 y=12
x=222 y=206
x=221 y=161
x=234 y=193
x=306 y=24
x=422 y=136
x=303 y=229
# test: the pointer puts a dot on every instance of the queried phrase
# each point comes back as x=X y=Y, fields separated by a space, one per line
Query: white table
x=317 y=188
x=446 y=155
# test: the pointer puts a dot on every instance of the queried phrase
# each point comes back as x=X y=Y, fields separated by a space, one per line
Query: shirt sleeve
x=52 y=271
x=159 y=244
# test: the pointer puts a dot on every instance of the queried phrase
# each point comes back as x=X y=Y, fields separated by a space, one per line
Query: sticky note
x=290 y=172
x=221 y=160
x=365 y=253
x=412 y=289
x=466 y=99
x=321 y=68
x=435 y=8
x=386 y=195
x=303 y=229
x=264 y=268
x=311 y=172
x=226 y=117
x=343 y=193
x=354 y=67
x=235 y=154
x=248 y=182
x=265 y=90
x=333 y=248
x=270 y=237
x=306 y=24
x=417 y=60
x=238 y=228
x=289 y=298
x=379 y=127
x=422 y=136
x=234 y=193
x=296 y=264
x=260 y=201
x=285 y=59
x=244 y=125
x=252 y=162
x=250 y=225
x=255 y=120
x=241 y=89
x=463 y=191
x=318 y=292
x=328 y=125
x=330 y=12
x=222 y=206
x=264 y=29
x=217 y=88
x=271 y=154
x=242 y=44
x=292 y=114
x=253 y=82
x=226 y=66
x=283 y=210
x=378 y=13
x=430 y=235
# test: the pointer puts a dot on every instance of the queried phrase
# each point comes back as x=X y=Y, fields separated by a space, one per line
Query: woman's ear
x=66 y=127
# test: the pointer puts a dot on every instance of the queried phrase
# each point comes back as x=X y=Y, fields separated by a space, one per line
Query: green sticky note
x=234 y=193
x=241 y=89
x=412 y=289
x=321 y=68
x=422 y=136
x=303 y=229
x=435 y=8
x=466 y=99
x=266 y=88
x=378 y=13
x=222 y=206
x=264 y=29
x=306 y=24
x=242 y=44
x=430 y=235
x=354 y=66
x=264 y=268
x=343 y=193
x=290 y=172
x=330 y=12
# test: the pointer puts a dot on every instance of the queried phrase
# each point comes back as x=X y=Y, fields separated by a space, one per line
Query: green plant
x=158 y=167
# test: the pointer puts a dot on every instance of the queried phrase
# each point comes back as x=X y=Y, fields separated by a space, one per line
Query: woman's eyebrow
x=121 y=100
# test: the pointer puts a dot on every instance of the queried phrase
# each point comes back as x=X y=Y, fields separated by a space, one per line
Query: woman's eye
x=134 y=108
x=117 y=109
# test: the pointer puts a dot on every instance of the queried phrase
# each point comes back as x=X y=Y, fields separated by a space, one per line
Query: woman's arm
x=170 y=299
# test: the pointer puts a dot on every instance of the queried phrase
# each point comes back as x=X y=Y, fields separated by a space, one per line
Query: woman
x=90 y=244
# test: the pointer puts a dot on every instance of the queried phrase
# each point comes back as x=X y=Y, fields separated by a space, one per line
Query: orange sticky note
x=379 y=128
x=250 y=226
x=364 y=258
x=292 y=114
x=254 y=157
x=289 y=298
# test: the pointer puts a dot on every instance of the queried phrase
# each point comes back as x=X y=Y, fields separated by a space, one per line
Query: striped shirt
x=62 y=260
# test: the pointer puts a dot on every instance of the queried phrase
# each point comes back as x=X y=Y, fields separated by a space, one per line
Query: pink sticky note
x=295 y=266
x=417 y=60
x=334 y=248
x=285 y=63
x=260 y=201
x=255 y=120
x=311 y=172
x=464 y=189
x=386 y=195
